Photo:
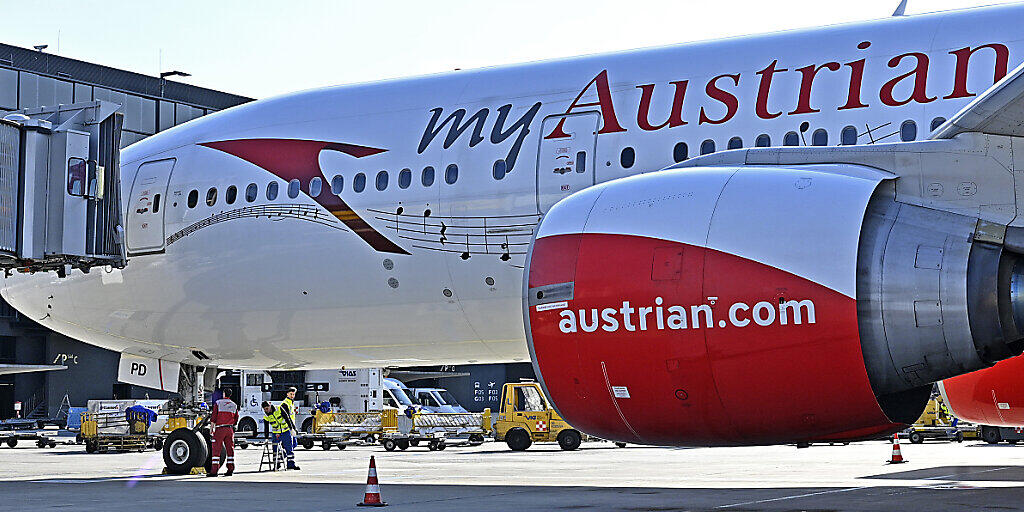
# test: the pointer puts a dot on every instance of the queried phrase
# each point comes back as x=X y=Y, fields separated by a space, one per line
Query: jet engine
x=761 y=304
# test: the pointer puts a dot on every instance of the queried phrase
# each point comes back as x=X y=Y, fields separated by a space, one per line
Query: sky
x=261 y=48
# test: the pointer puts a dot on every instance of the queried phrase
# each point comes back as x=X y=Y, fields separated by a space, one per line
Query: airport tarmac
x=937 y=477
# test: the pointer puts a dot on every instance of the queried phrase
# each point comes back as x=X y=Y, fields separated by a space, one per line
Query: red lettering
x=604 y=101
x=725 y=97
x=856 y=80
x=963 y=58
x=761 y=106
x=920 y=74
x=803 y=105
x=675 y=118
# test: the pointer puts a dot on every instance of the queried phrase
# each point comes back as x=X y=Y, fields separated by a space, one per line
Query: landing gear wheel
x=389 y=444
x=12 y=442
x=569 y=440
x=991 y=435
x=620 y=444
x=91 y=447
x=185 y=450
x=916 y=438
x=518 y=440
x=326 y=445
x=403 y=444
x=307 y=444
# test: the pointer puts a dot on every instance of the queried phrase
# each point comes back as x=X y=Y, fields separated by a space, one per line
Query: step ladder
x=273 y=457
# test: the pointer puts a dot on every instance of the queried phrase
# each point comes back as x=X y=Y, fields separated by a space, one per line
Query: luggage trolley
x=438 y=430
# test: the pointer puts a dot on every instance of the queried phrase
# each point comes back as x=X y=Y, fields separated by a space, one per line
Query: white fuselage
x=301 y=282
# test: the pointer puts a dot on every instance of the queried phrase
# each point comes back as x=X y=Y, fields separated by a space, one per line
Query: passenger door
x=566 y=164
x=146 y=205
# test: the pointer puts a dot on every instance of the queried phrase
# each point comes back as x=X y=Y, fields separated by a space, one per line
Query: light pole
x=165 y=74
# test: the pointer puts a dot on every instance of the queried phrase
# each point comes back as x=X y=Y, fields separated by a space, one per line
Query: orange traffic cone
x=372 y=496
x=897 y=456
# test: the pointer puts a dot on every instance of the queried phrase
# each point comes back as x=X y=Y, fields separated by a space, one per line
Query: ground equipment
x=438 y=430
x=995 y=435
x=116 y=431
x=527 y=417
x=937 y=423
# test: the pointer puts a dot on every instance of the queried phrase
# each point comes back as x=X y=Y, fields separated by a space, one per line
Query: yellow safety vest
x=291 y=410
x=277 y=422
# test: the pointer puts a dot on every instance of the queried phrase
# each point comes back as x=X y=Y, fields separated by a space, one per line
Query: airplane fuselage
x=415 y=254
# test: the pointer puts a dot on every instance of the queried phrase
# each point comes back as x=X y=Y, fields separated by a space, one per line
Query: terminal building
x=30 y=78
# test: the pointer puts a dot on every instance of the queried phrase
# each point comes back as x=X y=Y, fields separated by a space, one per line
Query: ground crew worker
x=276 y=419
x=290 y=440
x=224 y=418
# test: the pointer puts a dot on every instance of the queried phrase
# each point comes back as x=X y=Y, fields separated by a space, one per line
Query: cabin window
x=680 y=152
x=581 y=161
x=250 y=192
x=848 y=137
x=937 y=122
x=405 y=178
x=156 y=203
x=908 y=131
x=230 y=194
x=763 y=141
x=427 y=178
x=337 y=184
x=293 y=189
x=451 y=174
x=628 y=157
x=819 y=137
x=500 y=168
x=193 y=198
x=735 y=143
x=707 y=147
x=316 y=185
x=359 y=182
x=272 y=190
x=791 y=139
x=211 y=196
x=382 y=180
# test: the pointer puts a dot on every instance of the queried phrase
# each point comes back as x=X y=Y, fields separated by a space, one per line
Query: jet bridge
x=60 y=188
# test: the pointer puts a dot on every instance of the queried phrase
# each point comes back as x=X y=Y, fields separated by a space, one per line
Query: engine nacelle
x=758 y=304
x=993 y=396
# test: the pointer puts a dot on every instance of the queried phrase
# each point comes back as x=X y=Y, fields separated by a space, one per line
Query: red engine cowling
x=993 y=396
x=715 y=306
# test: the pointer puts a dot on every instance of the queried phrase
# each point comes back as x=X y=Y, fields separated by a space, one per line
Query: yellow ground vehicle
x=937 y=423
x=526 y=417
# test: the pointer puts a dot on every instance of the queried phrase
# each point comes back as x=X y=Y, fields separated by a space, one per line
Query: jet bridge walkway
x=60 y=188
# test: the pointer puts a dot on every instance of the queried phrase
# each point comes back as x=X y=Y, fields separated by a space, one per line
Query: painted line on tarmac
x=795 y=496
x=950 y=477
